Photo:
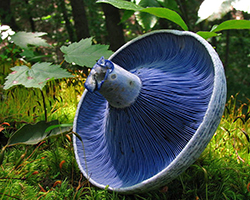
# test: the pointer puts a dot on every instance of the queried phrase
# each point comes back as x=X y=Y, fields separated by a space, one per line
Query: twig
x=61 y=62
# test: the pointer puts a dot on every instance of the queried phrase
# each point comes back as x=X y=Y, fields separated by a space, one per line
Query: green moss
x=49 y=170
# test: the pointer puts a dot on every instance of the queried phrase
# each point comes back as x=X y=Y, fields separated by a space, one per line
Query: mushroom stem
x=119 y=86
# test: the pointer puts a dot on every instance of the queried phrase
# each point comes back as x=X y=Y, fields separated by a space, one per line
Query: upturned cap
x=154 y=139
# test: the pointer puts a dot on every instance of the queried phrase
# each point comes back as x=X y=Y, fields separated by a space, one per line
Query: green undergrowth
x=48 y=170
x=22 y=105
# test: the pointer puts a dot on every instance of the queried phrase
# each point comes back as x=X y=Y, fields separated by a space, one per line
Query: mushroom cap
x=179 y=107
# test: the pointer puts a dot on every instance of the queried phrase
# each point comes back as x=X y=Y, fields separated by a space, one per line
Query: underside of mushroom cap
x=178 y=109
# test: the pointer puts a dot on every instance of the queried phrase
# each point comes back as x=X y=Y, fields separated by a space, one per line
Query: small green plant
x=37 y=76
x=229 y=150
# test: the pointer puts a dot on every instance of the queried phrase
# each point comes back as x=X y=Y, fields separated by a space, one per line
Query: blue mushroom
x=149 y=111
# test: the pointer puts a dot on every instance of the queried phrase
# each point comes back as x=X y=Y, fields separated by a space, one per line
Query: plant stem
x=44 y=107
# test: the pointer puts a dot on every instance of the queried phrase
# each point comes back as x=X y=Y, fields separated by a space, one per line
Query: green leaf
x=27 y=53
x=167 y=14
x=83 y=53
x=50 y=128
x=149 y=3
x=146 y=20
x=232 y=24
x=23 y=39
x=171 y=4
x=34 y=133
x=206 y=34
x=36 y=76
x=126 y=15
x=158 y=12
x=126 y=5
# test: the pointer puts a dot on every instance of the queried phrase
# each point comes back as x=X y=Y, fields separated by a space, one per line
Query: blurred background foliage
x=67 y=21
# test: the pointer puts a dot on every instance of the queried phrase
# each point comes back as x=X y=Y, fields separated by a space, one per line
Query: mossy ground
x=48 y=170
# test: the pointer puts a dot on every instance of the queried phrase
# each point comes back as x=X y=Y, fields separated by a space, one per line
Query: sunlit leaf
x=232 y=24
x=156 y=11
x=36 y=76
x=32 y=134
x=167 y=14
x=206 y=34
x=226 y=25
x=83 y=53
x=46 y=17
x=146 y=20
x=23 y=39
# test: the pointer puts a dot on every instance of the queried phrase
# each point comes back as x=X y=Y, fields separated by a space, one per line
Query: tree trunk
x=69 y=28
x=29 y=14
x=6 y=15
x=80 y=19
x=115 y=30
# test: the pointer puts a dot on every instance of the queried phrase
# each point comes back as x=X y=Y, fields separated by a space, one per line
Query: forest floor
x=48 y=170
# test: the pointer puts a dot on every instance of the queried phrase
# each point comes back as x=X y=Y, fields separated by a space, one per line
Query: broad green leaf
x=23 y=39
x=146 y=20
x=121 y=4
x=33 y=133
x=36 y=76
x=83 y=53
x=156 y=11
x=167 y=14
x=232 y=24
x=206 y=34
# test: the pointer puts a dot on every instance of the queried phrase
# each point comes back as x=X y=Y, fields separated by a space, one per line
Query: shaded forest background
x=67 y=21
